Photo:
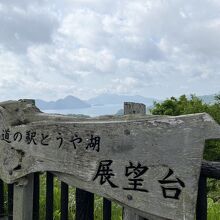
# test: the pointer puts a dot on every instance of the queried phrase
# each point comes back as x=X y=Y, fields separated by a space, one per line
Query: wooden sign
x=148 y=163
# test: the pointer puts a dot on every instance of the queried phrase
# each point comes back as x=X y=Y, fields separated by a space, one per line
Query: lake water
x=92 y=111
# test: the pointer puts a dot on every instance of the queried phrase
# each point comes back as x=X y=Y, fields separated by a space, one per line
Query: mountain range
x=69 y=102
x=72 y=102
x=113 y=99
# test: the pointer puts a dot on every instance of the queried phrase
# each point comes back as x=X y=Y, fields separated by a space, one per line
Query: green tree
x=180 y=106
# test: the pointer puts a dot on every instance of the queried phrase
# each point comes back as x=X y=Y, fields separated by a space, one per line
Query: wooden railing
x=85 y=200
x=169 y=147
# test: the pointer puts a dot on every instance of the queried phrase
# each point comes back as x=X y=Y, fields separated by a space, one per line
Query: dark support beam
x=201 y=208
x=107 y=209
x=49 y=196
x=64 y=201
x=84 y=205
x=1 y=198
x=36 y=196
x=10 y=201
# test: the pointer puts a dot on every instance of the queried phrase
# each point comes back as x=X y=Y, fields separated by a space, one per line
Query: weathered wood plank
x=23 y=198
x=148 y=163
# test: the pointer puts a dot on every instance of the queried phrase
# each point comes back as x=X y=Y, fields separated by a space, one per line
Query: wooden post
x=130 y=215
x=133 y=108
x=23 y=198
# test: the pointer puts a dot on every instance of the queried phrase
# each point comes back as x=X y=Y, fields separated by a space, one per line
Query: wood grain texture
x=159 y=143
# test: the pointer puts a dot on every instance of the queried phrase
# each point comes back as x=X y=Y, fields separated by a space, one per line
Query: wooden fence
x=182 y=138
x=85 y=200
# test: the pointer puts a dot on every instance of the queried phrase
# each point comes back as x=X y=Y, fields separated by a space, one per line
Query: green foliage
x=213 y=210
x=179 y=106
x=116 y=211
x=184 y=105
x=212 y=150
x=213 y=188
x=98 y=209
x=214 y=111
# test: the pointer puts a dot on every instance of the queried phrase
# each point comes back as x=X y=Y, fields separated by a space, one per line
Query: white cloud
x=125 y=85
x=84 y=28
x=24 y=24
x=159 y=48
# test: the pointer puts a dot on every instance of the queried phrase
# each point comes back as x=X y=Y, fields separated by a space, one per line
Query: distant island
x=69 y=102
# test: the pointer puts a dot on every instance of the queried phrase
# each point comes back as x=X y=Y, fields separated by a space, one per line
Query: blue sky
x=155 y=48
